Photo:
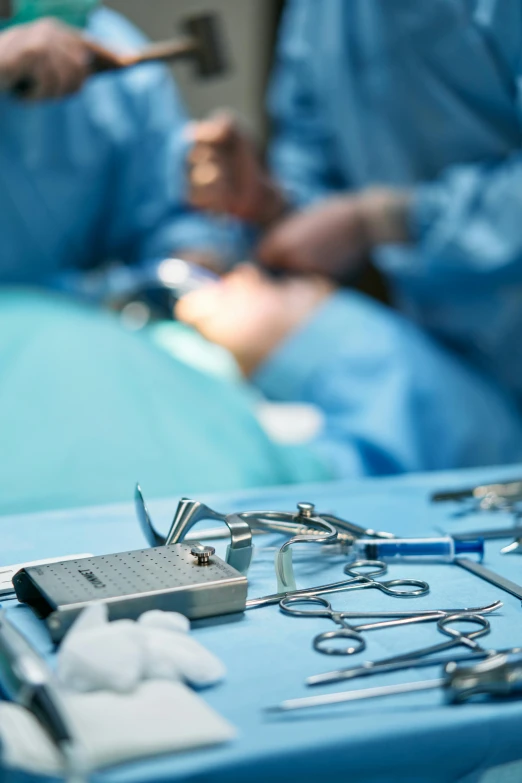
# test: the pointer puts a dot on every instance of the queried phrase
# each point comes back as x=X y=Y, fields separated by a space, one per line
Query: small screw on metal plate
x=306 y=509
x=202 y=553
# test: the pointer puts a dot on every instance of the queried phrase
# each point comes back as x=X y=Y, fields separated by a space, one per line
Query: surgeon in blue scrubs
x=88 y=164
x=397 y=135
x=88 y=176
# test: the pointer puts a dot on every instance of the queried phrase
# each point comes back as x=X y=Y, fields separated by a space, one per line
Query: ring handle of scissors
x=423 y=588
x=378 y=569
x=342 y=633
x=445 y=623
x=287 y=606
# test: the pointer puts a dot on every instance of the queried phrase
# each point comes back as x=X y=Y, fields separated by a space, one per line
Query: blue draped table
x=414 y=737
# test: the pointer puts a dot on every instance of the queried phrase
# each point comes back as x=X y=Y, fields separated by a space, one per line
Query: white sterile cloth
x=158 y=717
x=125 y=694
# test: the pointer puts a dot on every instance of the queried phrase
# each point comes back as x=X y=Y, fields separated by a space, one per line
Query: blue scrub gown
x=425 y=95
x=97 y=177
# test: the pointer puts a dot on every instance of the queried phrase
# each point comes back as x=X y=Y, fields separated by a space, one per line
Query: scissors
x=358 y=581
x=423 y=657
x=347 y=631
x=362 y=579
x=457 y=638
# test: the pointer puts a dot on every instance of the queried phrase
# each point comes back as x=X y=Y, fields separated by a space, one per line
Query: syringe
x=440 y=550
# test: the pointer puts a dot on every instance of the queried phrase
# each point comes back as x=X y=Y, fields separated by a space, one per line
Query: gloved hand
x=250 y=313
x=226 y=175
x=336 y=237
x=47 y=59
x=116 y=656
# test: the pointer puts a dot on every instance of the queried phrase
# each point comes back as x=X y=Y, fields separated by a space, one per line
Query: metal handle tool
x=369 y=668
x=511 y=490
x=27 y=680
x=490 y=576
x=202 y=45
x=485 y=497
x=500 y=675
x=489 y=534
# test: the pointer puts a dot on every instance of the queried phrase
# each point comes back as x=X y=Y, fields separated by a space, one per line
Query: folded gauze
x=100 y=655
x=112 y=682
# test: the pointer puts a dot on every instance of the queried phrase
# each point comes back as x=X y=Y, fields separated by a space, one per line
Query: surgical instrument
x=202 y=44
x=457 y=638
x=489 y=534
x=368 y=668
x=365 y=579
x=239 y=551
x=358 y=581
x=490 y=576
x=189 y=512
x=306 y=527
x=346 y=631
x=416 y=659
x=27 y=680
x=155 y=287
x=437 y=550
x=500 y=675
x=488 y=497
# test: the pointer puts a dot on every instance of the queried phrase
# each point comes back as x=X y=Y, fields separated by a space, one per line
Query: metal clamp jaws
x=484 y=497
x=305 y=525
x=188 y=513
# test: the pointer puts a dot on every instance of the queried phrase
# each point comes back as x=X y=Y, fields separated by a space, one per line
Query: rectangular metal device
x=130 y=583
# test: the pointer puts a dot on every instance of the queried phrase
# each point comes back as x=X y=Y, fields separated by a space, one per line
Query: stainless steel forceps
x=423 y=657
x=361 y=579
x=457 y=638
x=346 y=631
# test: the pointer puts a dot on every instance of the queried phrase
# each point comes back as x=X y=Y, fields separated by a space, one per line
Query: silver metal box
x=130 y=583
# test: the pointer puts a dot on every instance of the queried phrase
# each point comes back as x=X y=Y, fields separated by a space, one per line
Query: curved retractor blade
x=149 y=531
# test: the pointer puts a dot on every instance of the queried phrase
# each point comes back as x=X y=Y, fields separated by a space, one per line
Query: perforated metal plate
x=166 y=577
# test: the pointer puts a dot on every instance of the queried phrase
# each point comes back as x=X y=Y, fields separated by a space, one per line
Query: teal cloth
x=87 y=409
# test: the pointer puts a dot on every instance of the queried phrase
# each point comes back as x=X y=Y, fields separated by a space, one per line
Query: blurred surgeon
x=397 y=136
x=90 y=175
x=88 y=164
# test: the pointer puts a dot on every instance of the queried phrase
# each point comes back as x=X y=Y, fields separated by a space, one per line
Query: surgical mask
x=73 y=12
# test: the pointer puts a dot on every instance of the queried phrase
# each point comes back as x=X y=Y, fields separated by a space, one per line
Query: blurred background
x=250 y=27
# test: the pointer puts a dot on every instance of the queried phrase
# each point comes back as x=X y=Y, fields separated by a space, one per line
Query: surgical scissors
x=358 y=581
x=458 y=638
x=346 y=631
x=352 y=632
